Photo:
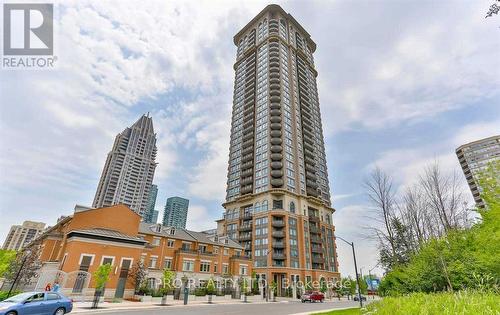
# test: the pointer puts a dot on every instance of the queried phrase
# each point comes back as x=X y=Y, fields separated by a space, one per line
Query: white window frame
x=246 y=269
x=63 y=261
x=127 y=258
x=112 y=257
x=173 y=243
x=171 y=259
x=84 y=254
x=151 y=259
x=192 y=261
x=156 y=239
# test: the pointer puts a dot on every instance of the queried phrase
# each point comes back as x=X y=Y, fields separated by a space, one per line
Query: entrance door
x=122 y=280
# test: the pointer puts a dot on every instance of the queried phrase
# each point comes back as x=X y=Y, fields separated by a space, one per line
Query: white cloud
x=445 y=60
x=199 y=218
x=476 y=131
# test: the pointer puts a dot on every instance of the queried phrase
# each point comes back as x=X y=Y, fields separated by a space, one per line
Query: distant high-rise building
x=175 y=213
x=474 y=157
x=129 y=170
x=21 y=235
x=149 y=215
x=154 y=218
x=278 y=196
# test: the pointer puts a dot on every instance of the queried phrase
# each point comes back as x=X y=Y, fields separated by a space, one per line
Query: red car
x=312 y=297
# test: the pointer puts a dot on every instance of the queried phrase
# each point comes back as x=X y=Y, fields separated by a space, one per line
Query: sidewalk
x=83 y=307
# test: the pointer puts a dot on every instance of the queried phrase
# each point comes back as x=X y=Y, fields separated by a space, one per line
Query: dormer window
x=172 y=231
x=158 y=228
x=216 y=238
x=226 y=241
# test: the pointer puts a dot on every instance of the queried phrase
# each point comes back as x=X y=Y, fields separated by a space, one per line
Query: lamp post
x=25 y=258
x=267 y=276
x=355 y=268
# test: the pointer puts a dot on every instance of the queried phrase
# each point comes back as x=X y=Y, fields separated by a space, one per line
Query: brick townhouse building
x=77 y=245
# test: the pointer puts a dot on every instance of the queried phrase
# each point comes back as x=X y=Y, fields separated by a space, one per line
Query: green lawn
x=458 y=303
x=349 y=311
x=462 y=302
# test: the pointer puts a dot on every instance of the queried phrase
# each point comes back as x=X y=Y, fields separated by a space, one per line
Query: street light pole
x=355 y=269
x=267 y=275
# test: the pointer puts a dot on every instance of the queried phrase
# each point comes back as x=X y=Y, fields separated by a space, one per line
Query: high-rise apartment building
x=150 y=211
x=154 y=218
x=278 y=196
x=175 y=213
x=474 y=157
x=130 y=166
x=21 y=235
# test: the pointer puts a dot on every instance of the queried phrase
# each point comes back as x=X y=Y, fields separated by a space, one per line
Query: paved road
x=278 y=308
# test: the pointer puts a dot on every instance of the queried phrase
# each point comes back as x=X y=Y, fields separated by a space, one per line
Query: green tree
x=6 y=259
x=101 y=276
x=168 y=277
x=137 y=275
x=255 y=283
x=26 y=263
x=322 y=285
x=211 y=289
x=462 y=258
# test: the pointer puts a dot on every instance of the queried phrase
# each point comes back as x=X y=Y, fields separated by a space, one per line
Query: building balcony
x=245 y=228
x=318 y=260
x=278 y=234
x=278 y=223
x=187 y=251
x=317 y=249
x=240 y=257
x=245 y=237
x=316 y=239
x=247 y=216
x=279 y=256
x=313 y=218
x=278 y=244
x=314 y=229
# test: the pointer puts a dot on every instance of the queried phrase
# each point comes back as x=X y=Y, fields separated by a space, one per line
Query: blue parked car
x=36 y=303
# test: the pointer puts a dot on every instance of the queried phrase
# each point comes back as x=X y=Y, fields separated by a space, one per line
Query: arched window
x=292 y=207
x=264 y=206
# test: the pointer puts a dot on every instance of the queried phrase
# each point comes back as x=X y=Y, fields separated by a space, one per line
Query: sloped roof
x=187 y=235
x=108 y=233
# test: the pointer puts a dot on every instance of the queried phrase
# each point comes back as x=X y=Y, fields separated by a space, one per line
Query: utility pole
x=355 y=269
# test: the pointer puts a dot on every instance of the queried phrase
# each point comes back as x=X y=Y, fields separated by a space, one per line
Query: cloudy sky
x=401 y=84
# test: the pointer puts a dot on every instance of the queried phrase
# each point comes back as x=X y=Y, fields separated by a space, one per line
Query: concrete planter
x=156 y=299
x=143 y=298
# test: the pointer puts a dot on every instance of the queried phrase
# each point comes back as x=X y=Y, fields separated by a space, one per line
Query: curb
x=156 y=306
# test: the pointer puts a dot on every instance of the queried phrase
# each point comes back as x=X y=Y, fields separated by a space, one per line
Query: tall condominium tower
x=129 y=169
x=175 y=213
x=474 y=157
x=150 y=211
x=278 y=196
x=21 y=235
